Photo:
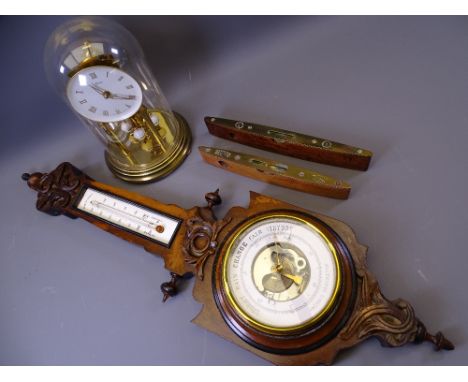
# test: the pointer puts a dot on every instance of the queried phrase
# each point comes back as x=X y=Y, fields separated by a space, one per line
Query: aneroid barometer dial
x=281 y=277
x=281 y=273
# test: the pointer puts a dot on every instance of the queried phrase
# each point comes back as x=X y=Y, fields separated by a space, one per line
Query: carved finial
x=439 y=340
x=213 y=199
x=33 y=180
x=169 y=288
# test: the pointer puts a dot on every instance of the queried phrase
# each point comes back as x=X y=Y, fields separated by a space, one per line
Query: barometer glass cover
x=281 y=273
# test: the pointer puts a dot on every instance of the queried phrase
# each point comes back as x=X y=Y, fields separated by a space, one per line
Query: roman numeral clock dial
x=104 y=94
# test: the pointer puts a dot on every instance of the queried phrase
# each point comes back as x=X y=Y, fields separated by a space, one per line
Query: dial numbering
x=104 y=94
x=280 y=273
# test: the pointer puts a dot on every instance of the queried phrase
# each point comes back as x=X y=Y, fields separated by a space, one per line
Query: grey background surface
x=71 y=294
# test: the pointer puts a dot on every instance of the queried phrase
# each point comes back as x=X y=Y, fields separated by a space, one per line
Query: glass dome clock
x=100 y=70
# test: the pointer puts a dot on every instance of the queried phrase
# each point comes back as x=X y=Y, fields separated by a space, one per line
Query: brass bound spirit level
x=284 y=142
x=290 y=143
x=274 y=172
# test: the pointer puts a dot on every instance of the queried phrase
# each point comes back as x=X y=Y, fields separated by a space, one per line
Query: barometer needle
x=278 y=268
x=296 y=278
x=278 y=262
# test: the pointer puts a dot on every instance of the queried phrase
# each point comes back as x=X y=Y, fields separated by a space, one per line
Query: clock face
x=280 y=273
x=104 y=94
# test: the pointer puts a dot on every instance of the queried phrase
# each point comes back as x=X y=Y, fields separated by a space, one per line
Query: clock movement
x=99 y=68
x=285 y=283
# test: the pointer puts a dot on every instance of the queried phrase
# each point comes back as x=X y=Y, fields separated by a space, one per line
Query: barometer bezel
x=313 y=333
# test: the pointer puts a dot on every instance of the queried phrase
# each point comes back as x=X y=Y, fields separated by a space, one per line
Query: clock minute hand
x=107 y=94
x=120 y=96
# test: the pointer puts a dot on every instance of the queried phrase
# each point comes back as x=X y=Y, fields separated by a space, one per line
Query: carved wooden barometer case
x=287 y=284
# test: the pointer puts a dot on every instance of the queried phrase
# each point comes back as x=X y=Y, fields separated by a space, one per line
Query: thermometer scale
x=129 y=216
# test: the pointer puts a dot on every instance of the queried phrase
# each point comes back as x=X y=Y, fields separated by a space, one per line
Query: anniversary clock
x=99 y=68
x=287 y=284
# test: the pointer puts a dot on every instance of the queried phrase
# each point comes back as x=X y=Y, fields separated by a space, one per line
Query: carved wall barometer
x=287 y=284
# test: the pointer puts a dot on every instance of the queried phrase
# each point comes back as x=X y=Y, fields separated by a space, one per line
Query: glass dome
x=99 y=68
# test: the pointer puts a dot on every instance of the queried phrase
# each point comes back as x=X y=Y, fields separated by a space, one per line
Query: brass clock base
x=153 y=172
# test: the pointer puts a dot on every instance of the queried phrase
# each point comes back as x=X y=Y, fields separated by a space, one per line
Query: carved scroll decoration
x=202 y=234
x=57 y=189
x=394 y=323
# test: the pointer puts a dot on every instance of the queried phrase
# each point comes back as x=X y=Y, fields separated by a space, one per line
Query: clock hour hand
x=97 y=88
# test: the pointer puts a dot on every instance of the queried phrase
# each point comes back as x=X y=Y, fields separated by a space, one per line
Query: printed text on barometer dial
x=281 y=272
